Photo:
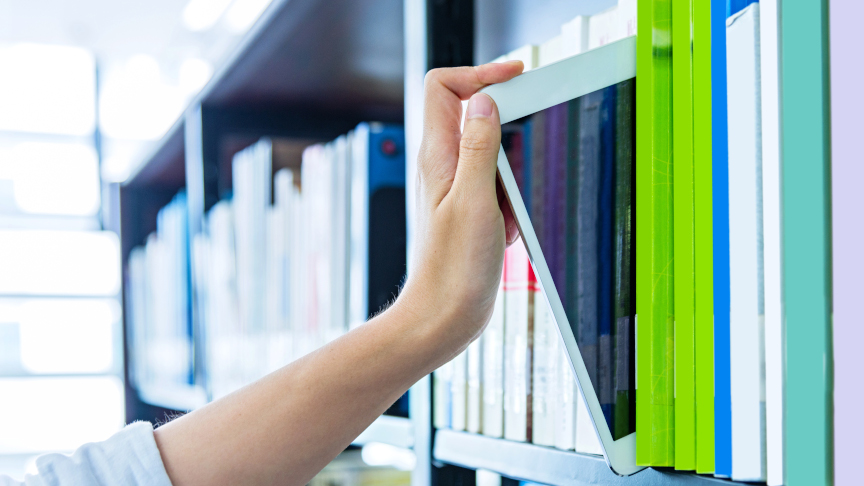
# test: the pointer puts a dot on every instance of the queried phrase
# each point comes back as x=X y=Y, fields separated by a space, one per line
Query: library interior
x=216 y=242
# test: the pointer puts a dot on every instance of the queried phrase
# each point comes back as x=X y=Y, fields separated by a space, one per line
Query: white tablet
x=567 y=166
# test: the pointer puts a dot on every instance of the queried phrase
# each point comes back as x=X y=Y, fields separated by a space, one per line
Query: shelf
x=174 y=397
x=339 y=56
x=547 y=465
x=395 y=431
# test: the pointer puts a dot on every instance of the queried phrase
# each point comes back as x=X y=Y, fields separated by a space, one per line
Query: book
x=804 y=49
x=847 y=103
x=493 y=369
x=565 y=401
x=550 y=51
x=441 y=393
x=703 y=236
x=655 y=407
x=574 y=39
x=773 y=291
x=746 y=311
x=587 y=441
x=683 y=239
x=474 y=358
x=623 y=339
x=545 y=357
x=459 y=391
x=603 y=28
x=720 y=220
x=519 y=284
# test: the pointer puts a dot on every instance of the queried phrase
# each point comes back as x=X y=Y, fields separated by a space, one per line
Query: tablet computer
x=569 y=131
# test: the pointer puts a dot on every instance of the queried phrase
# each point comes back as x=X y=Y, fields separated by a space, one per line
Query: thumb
x=478 y=148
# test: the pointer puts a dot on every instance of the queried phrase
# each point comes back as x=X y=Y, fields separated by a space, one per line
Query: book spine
x=720 y=214
x=459 y=391
x=606 y=212
x=442 y=404
x=745 y=245
x=517 y=344
x=682 y=170
x=545 y=357
x=623 y=414
x=769 y=71
x=703 y=237
x=587 y=441
x=847 y=104
x=474 y=420
x=565 y=401
x=804 y=93
x=493 y=369
x=538 y=174
x=654 y=271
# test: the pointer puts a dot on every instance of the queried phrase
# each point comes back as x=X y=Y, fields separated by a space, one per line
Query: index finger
x=445 y=88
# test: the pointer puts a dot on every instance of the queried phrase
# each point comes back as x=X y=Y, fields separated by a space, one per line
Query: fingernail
x=479 y=105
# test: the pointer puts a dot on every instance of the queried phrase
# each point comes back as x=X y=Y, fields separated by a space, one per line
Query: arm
x=287 y=426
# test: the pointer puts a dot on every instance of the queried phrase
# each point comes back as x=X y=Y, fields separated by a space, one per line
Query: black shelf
x=547 y=465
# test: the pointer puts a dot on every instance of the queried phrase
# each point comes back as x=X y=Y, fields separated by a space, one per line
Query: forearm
x=287 y=426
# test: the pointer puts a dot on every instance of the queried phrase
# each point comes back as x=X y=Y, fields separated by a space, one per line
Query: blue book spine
x=604 y=252
x=720 y=175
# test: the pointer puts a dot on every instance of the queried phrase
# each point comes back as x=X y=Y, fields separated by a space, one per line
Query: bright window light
x=58 y=414
x=59 y=263
x=53 y=178
x=244 y=13
x=202 y=14
x=47 y=89
x=194 y=74
x=67 y=335
x=136 y=104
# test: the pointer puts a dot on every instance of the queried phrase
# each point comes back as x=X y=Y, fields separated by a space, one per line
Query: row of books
x=573 y=163
x=284 y=265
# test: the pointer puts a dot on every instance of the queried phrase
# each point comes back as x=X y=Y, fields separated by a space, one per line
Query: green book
x=683 y=239
x=655 y=407
x=806 y=238
x=704 y=237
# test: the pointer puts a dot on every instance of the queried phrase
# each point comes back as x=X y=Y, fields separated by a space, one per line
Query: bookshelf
x=312 y=70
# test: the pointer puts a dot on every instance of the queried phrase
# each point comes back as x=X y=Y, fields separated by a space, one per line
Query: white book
x=441 y=404
x=550 y=51
x=627 y=19
x=771 y=214
x=459 y=392
x=574 y=38
x=493 y=369
x=745 y=246
x=587 y=441
x=603 y=28
x=474 y=421
x=518 y=317
x=566 y=395
x=527 y=54
x=543 y=382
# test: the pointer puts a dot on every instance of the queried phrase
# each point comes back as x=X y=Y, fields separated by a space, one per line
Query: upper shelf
x=548 y=465
x=339 y=56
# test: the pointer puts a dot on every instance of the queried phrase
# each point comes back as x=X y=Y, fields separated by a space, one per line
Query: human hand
x=464 y=222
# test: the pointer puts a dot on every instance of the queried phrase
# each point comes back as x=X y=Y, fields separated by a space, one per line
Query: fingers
x=479 y=146
x=442 y=113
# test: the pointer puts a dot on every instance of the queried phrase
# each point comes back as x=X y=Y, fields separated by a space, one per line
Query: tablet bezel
x=530 y=93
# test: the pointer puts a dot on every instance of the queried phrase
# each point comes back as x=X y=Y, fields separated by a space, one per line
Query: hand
x=464 y=223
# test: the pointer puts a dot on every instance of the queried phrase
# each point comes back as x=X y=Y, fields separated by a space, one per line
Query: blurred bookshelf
x=309 y=72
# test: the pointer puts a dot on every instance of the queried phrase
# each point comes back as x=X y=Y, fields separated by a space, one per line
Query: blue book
x=720 y=175
x=527 y=130
x=606 y=212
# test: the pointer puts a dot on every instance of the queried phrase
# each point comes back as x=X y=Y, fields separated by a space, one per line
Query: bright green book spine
x=655 y=407
x=704 y=237
x=806 y=238
x=682 y=145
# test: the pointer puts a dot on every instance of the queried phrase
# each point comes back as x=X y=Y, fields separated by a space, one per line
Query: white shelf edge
x=395 y=431
x=547 y=465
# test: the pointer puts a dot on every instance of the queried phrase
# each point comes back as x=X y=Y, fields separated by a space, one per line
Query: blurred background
x=87 y=88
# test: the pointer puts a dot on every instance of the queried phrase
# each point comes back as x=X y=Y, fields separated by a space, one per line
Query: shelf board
x=547 y=465
x=395 y=431
x=174 y=397
x=339 y=56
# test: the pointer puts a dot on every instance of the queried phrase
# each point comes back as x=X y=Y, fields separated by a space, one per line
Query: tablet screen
x=574 y=165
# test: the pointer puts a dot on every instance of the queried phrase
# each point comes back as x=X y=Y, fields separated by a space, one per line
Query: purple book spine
x=847 y=199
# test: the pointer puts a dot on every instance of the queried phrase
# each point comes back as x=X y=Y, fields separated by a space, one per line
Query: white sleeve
x=129 y=457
